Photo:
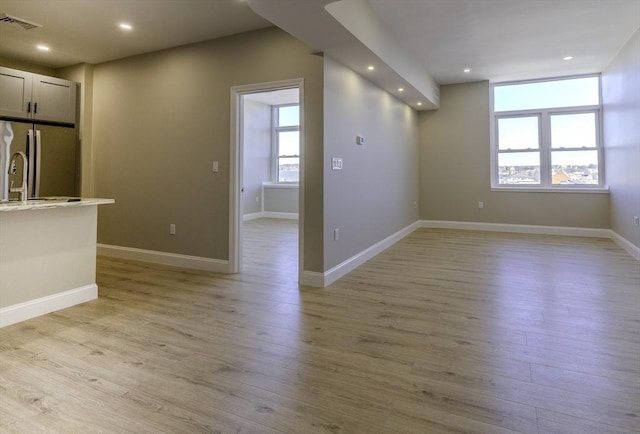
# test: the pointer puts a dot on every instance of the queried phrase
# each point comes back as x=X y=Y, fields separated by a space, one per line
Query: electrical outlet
x=636 y=221
x=257 y=199
x=172 y=229
x=215 y=167
x=415 y=205
x=480 y=205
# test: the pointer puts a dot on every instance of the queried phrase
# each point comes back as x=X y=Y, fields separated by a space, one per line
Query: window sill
x=514 y=189
x=280 y=184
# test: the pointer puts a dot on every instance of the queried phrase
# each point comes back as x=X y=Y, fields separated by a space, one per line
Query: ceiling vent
x=27 y=25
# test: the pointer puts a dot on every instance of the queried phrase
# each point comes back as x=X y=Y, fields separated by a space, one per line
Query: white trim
x=577 y=189
x=44 y=305
x=269 y=184
x=271 y=215
x=164 y=258
x=236 y=168
x=253 y=216
x=524 y=229
x=627 y=245
x=321 y=280
x=280 y=215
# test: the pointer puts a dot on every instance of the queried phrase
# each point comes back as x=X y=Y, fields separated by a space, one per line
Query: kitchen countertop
x=51 y=202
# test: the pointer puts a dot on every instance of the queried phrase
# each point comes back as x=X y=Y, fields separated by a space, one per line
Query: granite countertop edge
x=52 y=202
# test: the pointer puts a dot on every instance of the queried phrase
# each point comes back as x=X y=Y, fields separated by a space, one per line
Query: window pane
x=573 y=131
x=288 y=169
x=518 y=133
x=288 y=116
x=547 y=94
x=519 y=168
x=288 y=143
x=574 y=167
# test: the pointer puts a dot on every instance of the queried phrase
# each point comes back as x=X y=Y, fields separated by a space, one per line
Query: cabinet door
x=15 y=93
x=54 y=99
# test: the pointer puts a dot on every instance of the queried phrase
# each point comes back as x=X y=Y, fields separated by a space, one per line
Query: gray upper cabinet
x=15 y=92
x=36 y=97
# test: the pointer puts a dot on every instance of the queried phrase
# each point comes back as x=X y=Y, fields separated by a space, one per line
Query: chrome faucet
x=22 y=190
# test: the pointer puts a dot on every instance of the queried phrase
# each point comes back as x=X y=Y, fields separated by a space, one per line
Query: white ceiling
x=80 y=31
x=498 y=40
x=502 y=40
x=275 y=97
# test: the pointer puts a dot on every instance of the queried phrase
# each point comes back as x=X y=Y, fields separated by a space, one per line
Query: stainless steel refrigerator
x=52 y=155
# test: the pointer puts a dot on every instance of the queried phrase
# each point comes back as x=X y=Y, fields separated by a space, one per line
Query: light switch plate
x=336 y=163
x=359 y=139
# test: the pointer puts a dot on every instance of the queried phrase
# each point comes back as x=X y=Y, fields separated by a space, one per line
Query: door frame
x=236 y=166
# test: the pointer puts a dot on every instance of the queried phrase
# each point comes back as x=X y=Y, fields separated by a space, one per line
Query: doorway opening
x=267 y=181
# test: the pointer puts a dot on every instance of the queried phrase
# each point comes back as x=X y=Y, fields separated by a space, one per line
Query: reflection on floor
x=270 y=248
x=444 y=332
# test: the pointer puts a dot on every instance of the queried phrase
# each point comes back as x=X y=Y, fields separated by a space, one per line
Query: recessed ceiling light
x=401 y=89
x=567 y=58
x=371 y=68
x=43 y=48
x=126 y=26
x=419 y=103
x=466 y=70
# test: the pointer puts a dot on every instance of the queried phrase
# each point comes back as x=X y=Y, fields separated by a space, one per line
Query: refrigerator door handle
x=38 y=160
x=31 y=151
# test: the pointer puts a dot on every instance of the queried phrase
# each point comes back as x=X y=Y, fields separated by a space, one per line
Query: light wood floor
x=445 y=332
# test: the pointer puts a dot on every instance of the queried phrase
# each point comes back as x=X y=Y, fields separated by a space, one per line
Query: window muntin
x=286 y=139
x=548 y=147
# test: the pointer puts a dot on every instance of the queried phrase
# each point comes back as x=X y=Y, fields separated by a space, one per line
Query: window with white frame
x=286 y=143
x=546 y=134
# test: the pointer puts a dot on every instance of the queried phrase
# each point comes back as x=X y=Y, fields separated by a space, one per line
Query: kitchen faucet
x=22 y=190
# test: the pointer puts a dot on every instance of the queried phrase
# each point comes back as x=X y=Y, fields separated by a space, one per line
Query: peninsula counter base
x=47 y=260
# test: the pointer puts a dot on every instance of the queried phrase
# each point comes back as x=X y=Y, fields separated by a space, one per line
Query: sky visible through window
x=288 y=116
x=566 y=134
x=567 y=131
x=547 y=94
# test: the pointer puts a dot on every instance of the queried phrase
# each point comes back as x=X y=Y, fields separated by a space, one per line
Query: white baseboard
x=523 y=229
x=271 y=215
x=321 y=280
x=632 y=249
x=164 y=258
x=627 y=245
x=41 y=306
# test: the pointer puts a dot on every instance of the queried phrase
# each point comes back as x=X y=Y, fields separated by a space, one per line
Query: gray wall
x=160 y=119
x=281 y=199
x=257 y=153
x=455 y=171
x=373 y=196
x=83 y=74
x=621 y=98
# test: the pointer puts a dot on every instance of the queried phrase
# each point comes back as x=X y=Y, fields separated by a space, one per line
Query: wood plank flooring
x=444 y=332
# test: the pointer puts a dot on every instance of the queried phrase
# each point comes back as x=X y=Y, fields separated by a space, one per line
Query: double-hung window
x=286 y=143
x=546 y=134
